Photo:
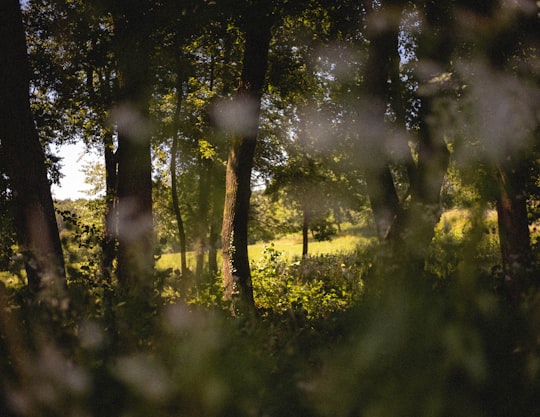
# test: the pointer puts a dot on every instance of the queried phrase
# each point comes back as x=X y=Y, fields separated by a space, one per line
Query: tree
x=35 y=218
x=75 y=84
x=307 y=182
x=133 y=47
x=256 y=25
x=389 y=114
x=509 y=136
x=312 y=163
x=514 y=235
x=176 y=208
x=195 y=69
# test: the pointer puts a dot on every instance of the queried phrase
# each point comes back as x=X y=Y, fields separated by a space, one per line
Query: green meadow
x=350 y=239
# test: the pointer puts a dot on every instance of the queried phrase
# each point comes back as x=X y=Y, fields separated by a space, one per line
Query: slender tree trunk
x=202 y=217
x=213 y=176
x=212 y=250
x=236 y=271
x=174 y=183
x=135 y=226
x=384 y=201
x=35 y=221
x=217 y=182
x=176 y=208
x=305 y=228
x=110 y=233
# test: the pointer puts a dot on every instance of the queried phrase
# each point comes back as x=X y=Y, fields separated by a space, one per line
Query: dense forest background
x=396 y=143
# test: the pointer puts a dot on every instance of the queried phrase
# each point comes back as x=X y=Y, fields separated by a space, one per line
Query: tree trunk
x=176 y=208
x=110 y=233
x=305 y=228
x=427 y=177
x=135 y=225
x=383 y=197
x=202 y=217
x=425 y=207
x=35 y=221
x=174 y=184
x=514 y=232
x=236 y=271
x=217 y=176
x=512 y=172
x=407 y=231
x=212 y=250
x=384 y=201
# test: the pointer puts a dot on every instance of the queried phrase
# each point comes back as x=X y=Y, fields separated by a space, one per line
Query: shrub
x=313 y=286
x=463 y=234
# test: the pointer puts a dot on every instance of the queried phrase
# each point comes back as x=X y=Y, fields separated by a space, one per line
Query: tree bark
x=212 y=250
x=236 y=270
x=305 y=228
x=110 y=233
x=514 y=235
x=512 y=173
x=174 y=184
x=176 y=208
x=36 y=225
x=202 y=217
x=425 y=207
x=135 y=225
x=382 y=193
x=217 y=176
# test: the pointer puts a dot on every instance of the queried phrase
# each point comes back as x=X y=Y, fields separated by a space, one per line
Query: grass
x=348 y=240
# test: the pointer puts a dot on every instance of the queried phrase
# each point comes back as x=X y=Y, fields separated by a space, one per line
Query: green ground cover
x=350 y=239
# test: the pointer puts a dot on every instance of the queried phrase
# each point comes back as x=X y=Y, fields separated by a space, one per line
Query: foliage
x=322 y=351
x=452 y=241
x=81 y=233
x=8 y=254
x=312 y=287
x=433 y=354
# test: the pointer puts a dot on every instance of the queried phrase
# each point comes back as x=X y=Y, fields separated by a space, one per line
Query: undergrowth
x=332 y=338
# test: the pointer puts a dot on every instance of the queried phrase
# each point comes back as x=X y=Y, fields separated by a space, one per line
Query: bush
x=460 y=235
x=313 y=286
x=323 y=345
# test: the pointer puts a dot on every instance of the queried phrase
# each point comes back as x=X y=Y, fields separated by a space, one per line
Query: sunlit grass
x=292 y=247
x=347 y=241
